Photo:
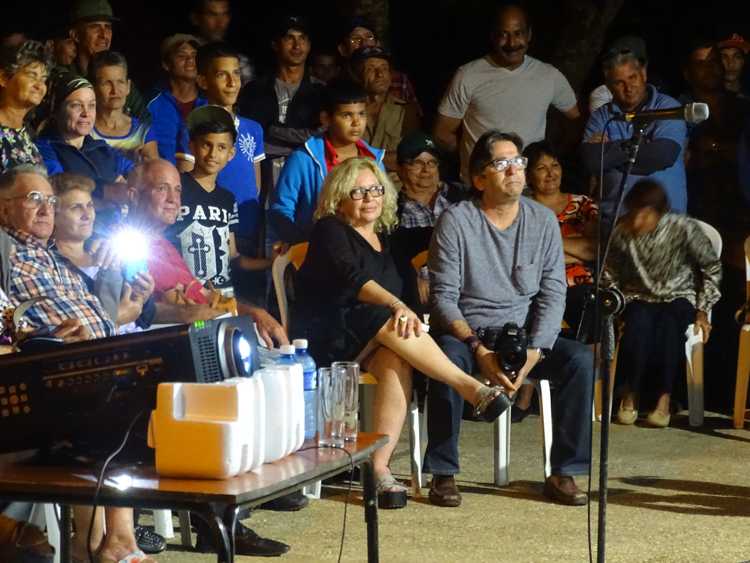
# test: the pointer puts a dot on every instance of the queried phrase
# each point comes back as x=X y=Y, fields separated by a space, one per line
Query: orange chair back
x=297 y=254
x=419 y=260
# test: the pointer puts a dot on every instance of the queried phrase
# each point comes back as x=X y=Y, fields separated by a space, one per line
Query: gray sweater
x=490 y=277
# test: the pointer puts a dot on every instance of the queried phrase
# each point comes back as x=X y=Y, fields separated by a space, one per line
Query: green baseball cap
x=415 y=144
x=92 y=11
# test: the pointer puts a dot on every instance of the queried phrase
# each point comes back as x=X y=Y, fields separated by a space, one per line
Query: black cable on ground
x=100 y=481
x=348 y=490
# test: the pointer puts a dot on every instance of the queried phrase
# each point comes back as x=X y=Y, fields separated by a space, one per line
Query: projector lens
x=241 y=352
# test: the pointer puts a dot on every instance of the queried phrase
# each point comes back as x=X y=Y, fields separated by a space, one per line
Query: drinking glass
x=350 y=373
x=331 y=408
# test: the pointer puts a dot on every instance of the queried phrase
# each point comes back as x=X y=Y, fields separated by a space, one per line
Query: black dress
x=339 y=262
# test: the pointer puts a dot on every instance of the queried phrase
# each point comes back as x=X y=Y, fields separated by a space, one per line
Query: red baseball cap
x=737 y=41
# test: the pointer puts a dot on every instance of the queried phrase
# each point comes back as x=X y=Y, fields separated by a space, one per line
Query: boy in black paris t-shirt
x=205 y=230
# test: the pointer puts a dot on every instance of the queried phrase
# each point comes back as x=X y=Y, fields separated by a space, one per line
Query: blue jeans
x=569 y=367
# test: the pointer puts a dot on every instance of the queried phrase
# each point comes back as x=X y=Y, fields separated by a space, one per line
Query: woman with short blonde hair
x=338 y=185
x=349 y=293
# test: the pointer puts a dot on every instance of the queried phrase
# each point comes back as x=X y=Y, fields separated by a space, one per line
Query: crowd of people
x=221 y=170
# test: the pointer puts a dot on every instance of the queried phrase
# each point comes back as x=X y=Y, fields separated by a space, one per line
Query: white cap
x=300 y=343
x=286 y=349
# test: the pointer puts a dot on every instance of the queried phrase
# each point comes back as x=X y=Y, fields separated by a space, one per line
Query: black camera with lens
x=509 y=342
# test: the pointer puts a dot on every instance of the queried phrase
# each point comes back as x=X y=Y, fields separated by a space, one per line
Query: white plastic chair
x=47 y=516
x=294 y=256
x=693 y=349
x=743 y=357
x=501 y=436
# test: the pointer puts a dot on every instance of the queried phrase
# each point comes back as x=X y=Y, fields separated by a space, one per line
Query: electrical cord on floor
x=597 y=325
x=348 y=490
x=100 y=481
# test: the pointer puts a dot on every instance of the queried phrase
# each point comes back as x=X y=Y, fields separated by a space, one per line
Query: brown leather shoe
x=26 y=543
x=444 y=492
x=563 y=489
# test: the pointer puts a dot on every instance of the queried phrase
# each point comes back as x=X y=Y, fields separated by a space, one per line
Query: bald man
x=154 y=190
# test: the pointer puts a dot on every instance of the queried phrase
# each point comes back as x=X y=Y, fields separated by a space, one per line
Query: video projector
x=91 y=391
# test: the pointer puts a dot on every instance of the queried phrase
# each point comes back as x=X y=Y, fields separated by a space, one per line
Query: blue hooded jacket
x=296 y=196
x=95 y=159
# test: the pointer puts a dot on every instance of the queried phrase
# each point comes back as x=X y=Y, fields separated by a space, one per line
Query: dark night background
x=429 y=41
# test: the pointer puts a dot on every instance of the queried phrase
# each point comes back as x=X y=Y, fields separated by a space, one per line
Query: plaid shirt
x=414 y=214
x=34 y=272
x=402 y=88
x=6 y=318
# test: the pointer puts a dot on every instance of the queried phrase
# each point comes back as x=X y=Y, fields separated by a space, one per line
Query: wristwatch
x=473 y=342
x=543 y=353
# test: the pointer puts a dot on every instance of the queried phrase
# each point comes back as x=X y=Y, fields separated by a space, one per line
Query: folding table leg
x=66 y=529
x=222 y=520
x=371 y=511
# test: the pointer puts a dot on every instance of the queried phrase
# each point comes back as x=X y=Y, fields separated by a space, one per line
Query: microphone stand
x=608 y=304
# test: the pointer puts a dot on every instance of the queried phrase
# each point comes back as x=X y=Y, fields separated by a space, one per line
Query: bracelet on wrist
x=396 y=302
x=473 y=342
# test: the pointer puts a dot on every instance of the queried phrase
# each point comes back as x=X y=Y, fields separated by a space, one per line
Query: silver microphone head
x=696 y=112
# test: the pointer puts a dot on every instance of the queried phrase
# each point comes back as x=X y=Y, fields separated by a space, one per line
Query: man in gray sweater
x=494 y=260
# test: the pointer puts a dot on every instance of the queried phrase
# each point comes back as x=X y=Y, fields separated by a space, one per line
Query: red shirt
x=185 y=108
x=166 y=266
x=332 y=157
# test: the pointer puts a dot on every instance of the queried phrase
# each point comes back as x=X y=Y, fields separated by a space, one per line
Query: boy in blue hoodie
x=344 y=114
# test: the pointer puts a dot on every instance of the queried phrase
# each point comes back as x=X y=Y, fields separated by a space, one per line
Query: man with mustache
x=505 y=89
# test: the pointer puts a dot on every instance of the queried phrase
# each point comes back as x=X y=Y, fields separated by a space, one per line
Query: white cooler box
x=219 y=430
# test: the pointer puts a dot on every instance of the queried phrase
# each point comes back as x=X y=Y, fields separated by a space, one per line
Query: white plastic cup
x=350 y=372
x=331 y=409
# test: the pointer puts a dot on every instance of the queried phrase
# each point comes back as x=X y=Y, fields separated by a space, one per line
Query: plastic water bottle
x=309 y=371
x=289 y=359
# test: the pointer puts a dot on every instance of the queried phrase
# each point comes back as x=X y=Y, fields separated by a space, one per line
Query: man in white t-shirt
x=506 y=89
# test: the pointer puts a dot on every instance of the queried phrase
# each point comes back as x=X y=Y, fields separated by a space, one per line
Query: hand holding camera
x=504 y=355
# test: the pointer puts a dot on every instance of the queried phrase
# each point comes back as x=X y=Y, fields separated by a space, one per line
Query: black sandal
x=391 y=493
x=492 y=404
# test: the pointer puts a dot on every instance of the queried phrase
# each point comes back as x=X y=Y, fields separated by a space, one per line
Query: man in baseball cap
x=359 y=32
x=733 y=51
x=286 y=102
x=91 y=30
x=389 y=117
x=171 y=106
x=423 y=197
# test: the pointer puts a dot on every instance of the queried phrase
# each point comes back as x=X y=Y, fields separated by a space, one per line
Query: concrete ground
x=676 y=495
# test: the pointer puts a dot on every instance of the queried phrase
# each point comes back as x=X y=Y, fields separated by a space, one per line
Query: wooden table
x=217 y=501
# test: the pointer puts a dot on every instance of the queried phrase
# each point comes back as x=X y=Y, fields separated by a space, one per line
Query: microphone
x=692 y=113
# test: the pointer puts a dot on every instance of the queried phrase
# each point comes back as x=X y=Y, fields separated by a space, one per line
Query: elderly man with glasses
x=494 y=260
x=28 y=269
